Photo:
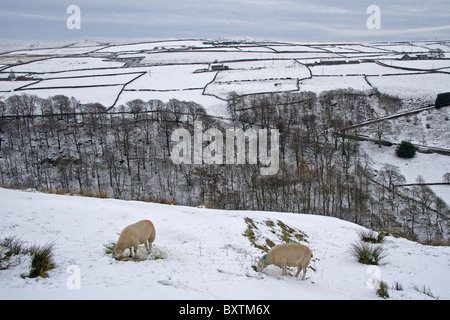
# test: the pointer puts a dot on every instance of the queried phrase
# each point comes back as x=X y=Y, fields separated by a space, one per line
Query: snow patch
x=199 y=253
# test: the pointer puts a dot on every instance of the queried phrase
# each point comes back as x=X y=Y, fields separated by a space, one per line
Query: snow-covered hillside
x=93 y=72
x=430 y=167
x=200 y=253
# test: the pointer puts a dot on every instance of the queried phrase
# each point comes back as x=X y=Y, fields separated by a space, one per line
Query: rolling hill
x=201 y=253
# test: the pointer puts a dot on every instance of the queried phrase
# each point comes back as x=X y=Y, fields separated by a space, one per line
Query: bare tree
x=381 y=128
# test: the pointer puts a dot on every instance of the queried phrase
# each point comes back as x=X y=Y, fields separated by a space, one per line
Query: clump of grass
x=10 y=246
x=60 y=191
x=370 y=236
x=41 y=256
x=102 y=194
x=281 y=231
x=290 y=234
x=109 y=248
x=367 y=253
x=206 y=205
x=42 y=260
x=398 y=286
x=250 y=234
x=270 y=243
x=13 y=246
x=383 y=291
x=438 y=242
x=424 y=290
x=126 y=258
x=270 y=223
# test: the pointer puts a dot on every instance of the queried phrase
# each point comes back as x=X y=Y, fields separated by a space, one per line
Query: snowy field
x=200 y=254
x=366 y=68
x=254 y=67
x=430 y=166
x=319 y=84
x=173 y=78
x=223 y=89
x=429 y=128
x=414 y=85
x=65 y=64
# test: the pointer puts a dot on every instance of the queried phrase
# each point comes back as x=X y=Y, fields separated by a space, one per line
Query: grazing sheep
x=133 y=235
x=288 y=254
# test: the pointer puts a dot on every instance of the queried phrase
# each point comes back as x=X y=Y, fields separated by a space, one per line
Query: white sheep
x=134 y=235
x=288 y=254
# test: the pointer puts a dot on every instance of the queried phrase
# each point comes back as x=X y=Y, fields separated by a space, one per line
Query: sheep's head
x=262 y=263
x=117 y=253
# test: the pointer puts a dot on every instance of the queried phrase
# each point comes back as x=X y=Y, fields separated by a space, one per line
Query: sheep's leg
x=146 y=246
x=131 y=252
x=135 y=252
x=304 y=272
x=298 y=271
x=284 y=267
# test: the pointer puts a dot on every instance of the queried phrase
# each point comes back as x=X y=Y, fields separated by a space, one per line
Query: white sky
x=283 y=20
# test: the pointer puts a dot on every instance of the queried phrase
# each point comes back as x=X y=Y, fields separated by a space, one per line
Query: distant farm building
x=442 y=100
x=406 y=57
x=218 y=67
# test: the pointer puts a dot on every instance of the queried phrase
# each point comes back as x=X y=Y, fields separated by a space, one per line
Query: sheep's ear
x=264 y=257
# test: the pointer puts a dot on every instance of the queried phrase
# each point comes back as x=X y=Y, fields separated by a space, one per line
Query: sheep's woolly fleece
x=289 y=254
x=141 y=232
x=203 y=254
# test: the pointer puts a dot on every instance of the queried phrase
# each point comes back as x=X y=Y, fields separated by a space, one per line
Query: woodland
x=59 y=145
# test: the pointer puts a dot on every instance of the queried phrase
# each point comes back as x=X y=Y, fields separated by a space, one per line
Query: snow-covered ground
x=66 y=64
x=412 y=85
x=431 y=167
x=255 y=67
x=318 y=84
x=202 y=254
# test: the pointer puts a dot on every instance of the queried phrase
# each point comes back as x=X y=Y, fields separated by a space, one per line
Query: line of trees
x=60 y=144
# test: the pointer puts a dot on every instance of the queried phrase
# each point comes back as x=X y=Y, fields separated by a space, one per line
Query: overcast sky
x=281 y=20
